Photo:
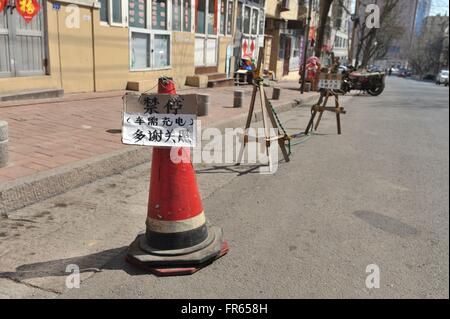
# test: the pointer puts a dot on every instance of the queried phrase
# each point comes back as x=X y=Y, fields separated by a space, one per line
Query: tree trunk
x=366 y=53
x=325 y=6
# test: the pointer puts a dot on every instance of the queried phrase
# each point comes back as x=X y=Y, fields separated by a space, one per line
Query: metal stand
x=266 y=111
x=320 y=107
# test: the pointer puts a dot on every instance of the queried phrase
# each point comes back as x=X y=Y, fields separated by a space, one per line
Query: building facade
x=423 y=11
x=285 y=37
x=104 y=45
x=337 y=40
x=93 y=46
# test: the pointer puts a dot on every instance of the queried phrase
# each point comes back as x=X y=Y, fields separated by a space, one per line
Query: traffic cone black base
x=177 y=262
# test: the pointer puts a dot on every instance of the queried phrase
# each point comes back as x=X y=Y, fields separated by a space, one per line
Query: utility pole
x=308 y=26
x=355 y=21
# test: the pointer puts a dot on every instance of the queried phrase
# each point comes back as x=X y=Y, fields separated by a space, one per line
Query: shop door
x=287 y=56
x=22 y=45
x=206 y=40
x=294 y=60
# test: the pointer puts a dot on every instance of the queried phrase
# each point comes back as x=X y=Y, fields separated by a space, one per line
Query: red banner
x=2 y=5
x=27 y=9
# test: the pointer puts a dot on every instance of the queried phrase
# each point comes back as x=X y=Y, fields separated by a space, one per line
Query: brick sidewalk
x=51 y=133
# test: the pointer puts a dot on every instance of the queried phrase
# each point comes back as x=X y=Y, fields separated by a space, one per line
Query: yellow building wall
x=95 y=57
x=273 y=10
x=112 y=58
x=77 y=62
x=224 y=42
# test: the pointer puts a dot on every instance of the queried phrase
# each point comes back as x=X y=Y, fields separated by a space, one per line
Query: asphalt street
x=377 y=194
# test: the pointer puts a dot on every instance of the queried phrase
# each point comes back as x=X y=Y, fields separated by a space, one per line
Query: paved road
x=378 y=194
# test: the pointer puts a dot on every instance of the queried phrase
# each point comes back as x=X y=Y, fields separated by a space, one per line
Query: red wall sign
x=2 y=5
x=27 y=9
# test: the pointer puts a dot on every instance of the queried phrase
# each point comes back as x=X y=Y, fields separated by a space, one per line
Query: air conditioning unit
x=284 y=5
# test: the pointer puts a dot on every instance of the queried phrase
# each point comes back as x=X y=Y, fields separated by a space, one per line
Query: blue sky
x=439 y=6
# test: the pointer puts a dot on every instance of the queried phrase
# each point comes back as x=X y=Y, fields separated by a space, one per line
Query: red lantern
x=27 y=9
x=2 y=5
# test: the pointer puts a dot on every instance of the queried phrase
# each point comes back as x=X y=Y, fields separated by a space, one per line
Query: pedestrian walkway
x=50 y=133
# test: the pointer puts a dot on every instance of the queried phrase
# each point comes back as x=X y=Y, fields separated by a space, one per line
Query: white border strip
x=165 y=226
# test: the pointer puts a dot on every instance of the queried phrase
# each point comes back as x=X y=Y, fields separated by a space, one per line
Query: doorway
x=22 y=45
x=206 y=39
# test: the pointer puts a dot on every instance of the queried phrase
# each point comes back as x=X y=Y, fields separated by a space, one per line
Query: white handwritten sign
x=330 y=84
x=159 y=120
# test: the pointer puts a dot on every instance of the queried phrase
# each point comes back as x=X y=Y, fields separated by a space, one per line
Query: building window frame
x=227 y=20
x=151 y=32
x=254 y=25
x=109 y=14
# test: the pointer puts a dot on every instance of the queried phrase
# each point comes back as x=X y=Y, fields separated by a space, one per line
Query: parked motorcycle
x=372 y=83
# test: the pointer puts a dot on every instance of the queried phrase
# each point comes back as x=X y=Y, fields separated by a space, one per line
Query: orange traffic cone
x=177 y=240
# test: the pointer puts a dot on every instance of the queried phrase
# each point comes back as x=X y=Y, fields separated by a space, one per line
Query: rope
x=293 y=136
x=280 y=125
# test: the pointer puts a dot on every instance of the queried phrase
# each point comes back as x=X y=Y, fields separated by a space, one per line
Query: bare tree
x=375 y=42
x=426 y=56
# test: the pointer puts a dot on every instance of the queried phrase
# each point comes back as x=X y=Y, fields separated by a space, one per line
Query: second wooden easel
x=321 y=106
x=266 y=111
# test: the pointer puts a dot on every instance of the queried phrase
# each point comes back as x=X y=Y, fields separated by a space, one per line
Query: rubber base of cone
x=170 y=265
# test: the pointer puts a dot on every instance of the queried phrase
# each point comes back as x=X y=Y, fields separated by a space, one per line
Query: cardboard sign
x=330 y=81
x=330 y=84
x=160 y=120
x=27 y=9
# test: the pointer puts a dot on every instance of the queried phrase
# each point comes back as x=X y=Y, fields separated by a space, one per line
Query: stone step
x=34 y=94
x=223 y=82
x=216 y=76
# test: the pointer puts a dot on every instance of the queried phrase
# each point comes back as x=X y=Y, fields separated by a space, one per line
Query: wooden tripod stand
x=320 y=107
x=266 y=112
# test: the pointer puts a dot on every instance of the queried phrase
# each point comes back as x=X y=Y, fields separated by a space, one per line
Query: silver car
x=442 y=78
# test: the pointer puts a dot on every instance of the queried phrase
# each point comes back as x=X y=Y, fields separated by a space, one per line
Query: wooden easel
x=320 y=107
x=266 y=111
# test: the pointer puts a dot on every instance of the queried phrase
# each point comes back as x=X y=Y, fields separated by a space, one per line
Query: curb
x=32 y=189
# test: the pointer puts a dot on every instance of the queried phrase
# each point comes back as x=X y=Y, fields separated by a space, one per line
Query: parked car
x=375 y=68
x=442 y=78
x=429 y=77
x=405 y=73
x=395 y=71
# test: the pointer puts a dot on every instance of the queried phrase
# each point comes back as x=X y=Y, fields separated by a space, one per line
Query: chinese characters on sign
x=27 y=9
x=330 y=84
x=160 y=120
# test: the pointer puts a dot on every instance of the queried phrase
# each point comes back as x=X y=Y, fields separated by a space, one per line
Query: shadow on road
x=111 y=259
x=239 y=170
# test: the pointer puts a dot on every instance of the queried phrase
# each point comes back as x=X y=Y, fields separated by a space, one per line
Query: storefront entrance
x=206 y=39
x=22 y=45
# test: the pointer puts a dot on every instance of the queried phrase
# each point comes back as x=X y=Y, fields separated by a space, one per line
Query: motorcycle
x=372 y=83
